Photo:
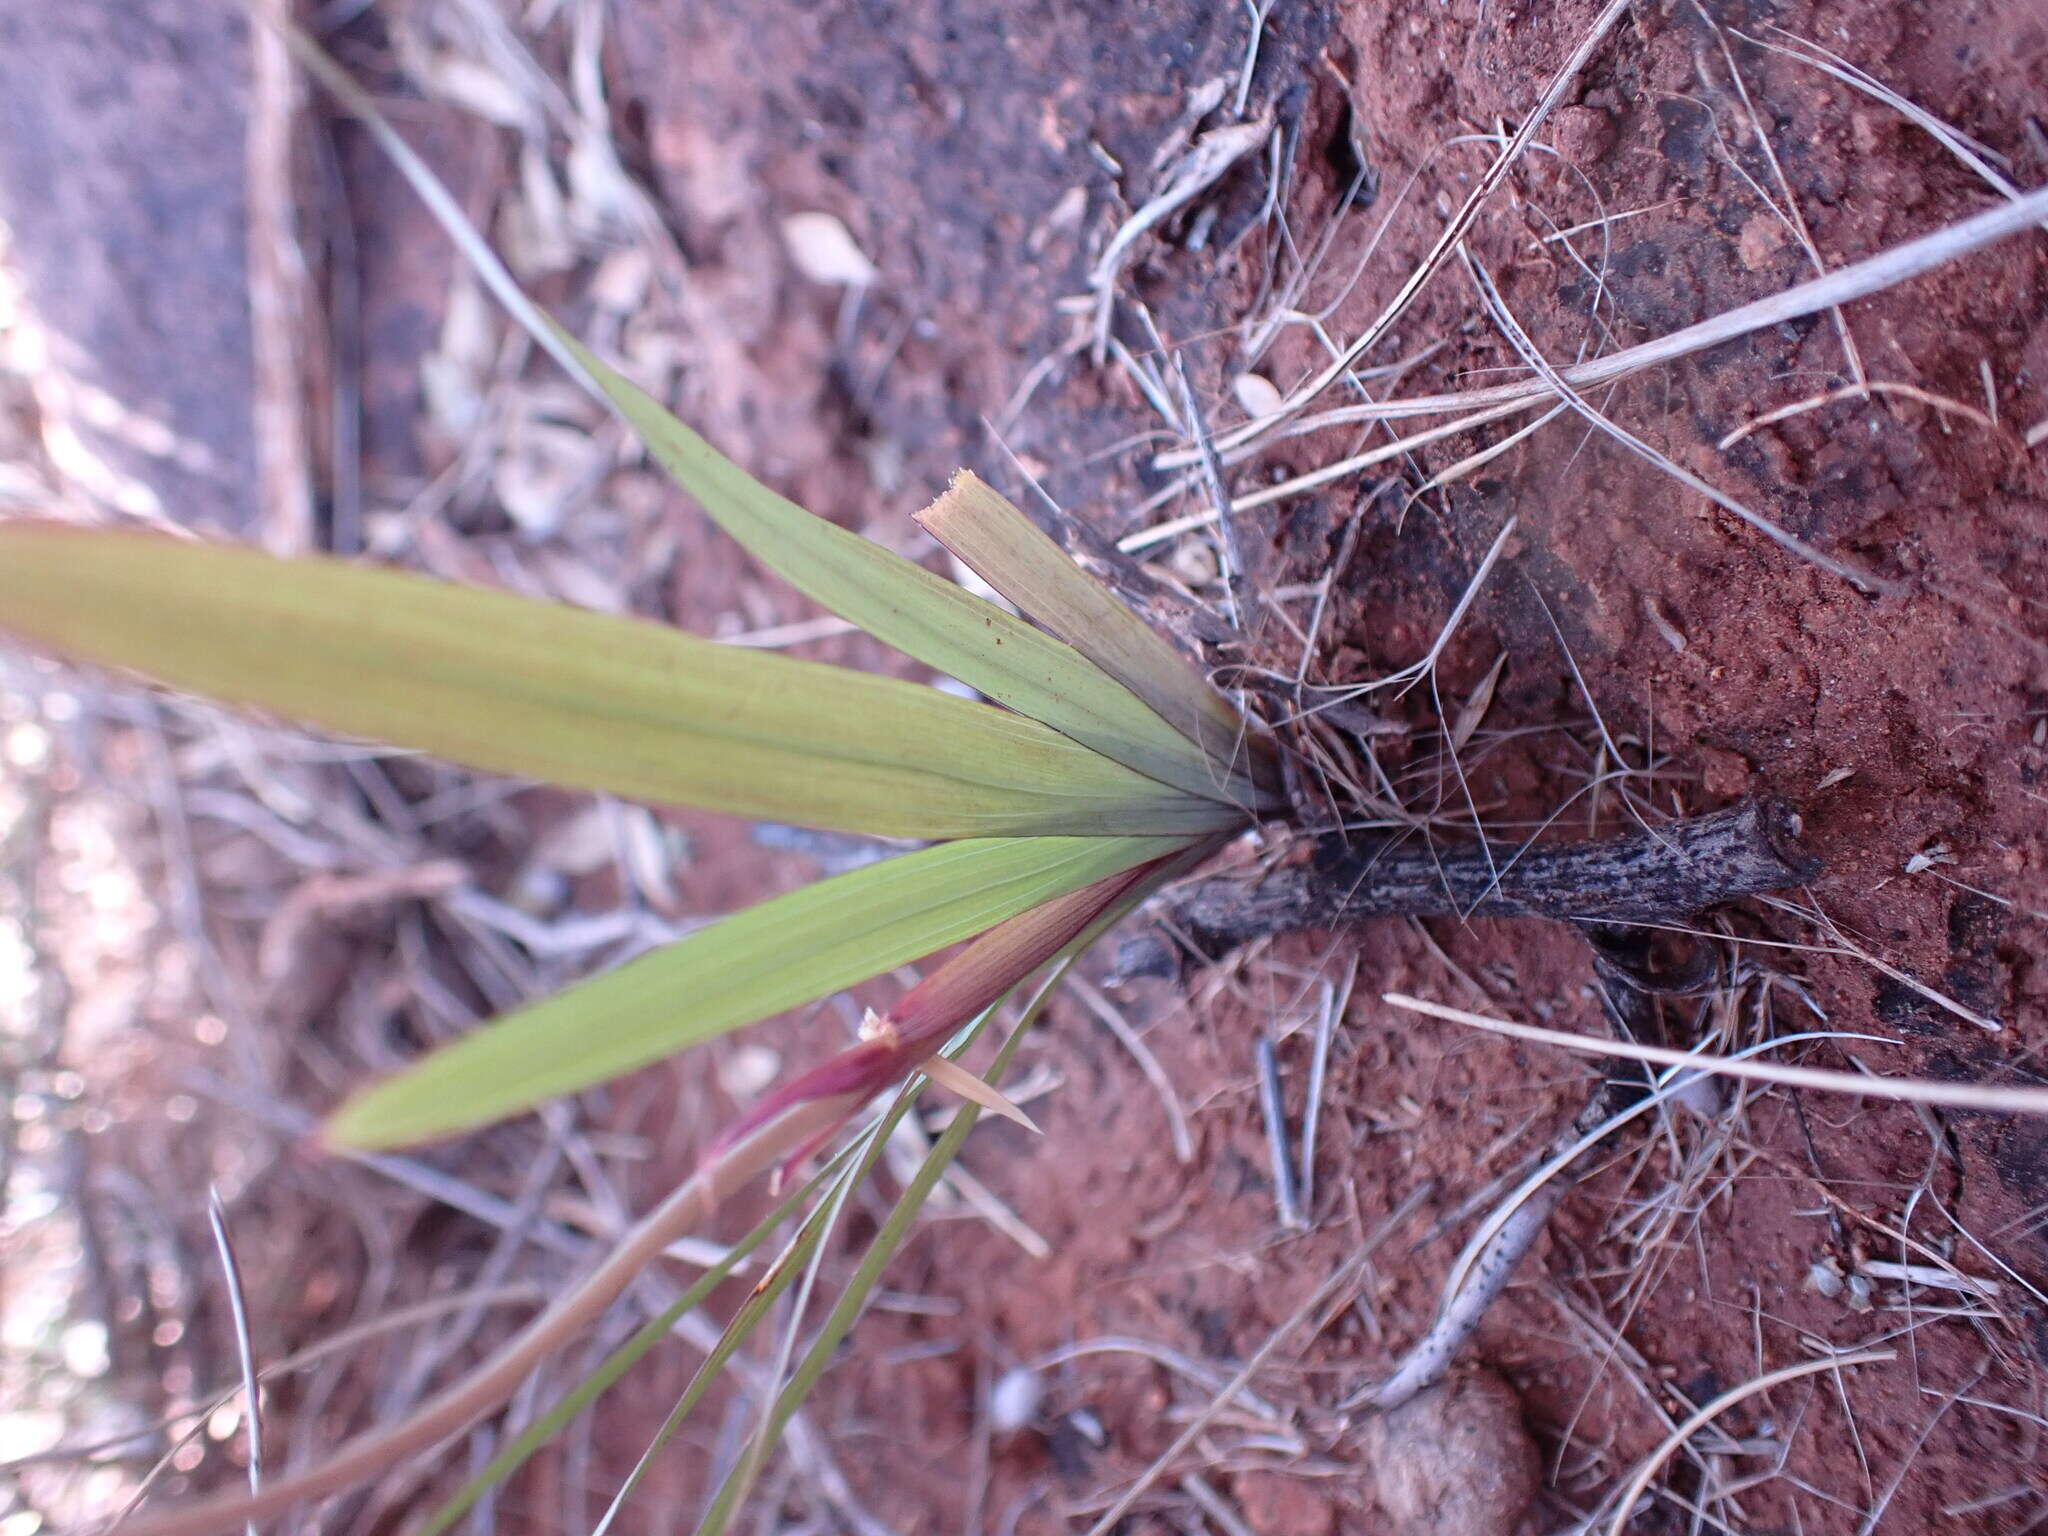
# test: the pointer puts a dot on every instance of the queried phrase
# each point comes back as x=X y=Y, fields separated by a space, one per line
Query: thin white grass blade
x=1903 y=1090
x=1525 y=348
x=1452 y=234
x=1844 y=285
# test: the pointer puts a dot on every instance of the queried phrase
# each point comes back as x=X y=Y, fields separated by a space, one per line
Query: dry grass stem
x=1449 y=238
x=1111 y=1019
x=1862 y=390
x=1518 y=338
x=1903 y=1090
x=1874 y=274
x=1343 y=1275
x=1637 y=1485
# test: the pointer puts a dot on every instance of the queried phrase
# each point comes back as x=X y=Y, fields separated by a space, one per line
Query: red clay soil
x=1898 y=725
x=981 y=156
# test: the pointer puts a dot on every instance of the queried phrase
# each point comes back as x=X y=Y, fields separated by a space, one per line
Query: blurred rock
x=1014 y=1400
x=1276 y=1504
x=121 y=182
x=1456 y=1460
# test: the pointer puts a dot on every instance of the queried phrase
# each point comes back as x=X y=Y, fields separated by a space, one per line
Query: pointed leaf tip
x=543 y=691
x=777 y=955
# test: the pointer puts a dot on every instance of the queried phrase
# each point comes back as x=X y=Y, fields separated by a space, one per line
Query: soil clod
x=1456 y=1458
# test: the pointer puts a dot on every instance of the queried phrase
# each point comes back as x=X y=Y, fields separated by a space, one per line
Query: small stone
x=1277 y=1505
x=1871 y=130
x=1760 y=241
x=1457 y=1459
x=1725 y=775
x=825 y=251
x=1089 y=1427
x=1014 y=1400
x=1583 y=135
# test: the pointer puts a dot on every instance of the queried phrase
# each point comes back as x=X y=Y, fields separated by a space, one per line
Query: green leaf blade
x=542 y=691
x=894 y=599
x=778 y=955
x=905 y=606
x=1013 y=555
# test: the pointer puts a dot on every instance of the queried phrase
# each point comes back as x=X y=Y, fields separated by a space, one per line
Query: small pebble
x=1456 y=1459
x=1090 y=1427
x=1762 y=238
x=1014 y=1400
x=1583 y=135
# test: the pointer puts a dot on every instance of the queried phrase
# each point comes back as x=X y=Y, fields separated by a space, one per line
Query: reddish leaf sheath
x=919 y=1022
